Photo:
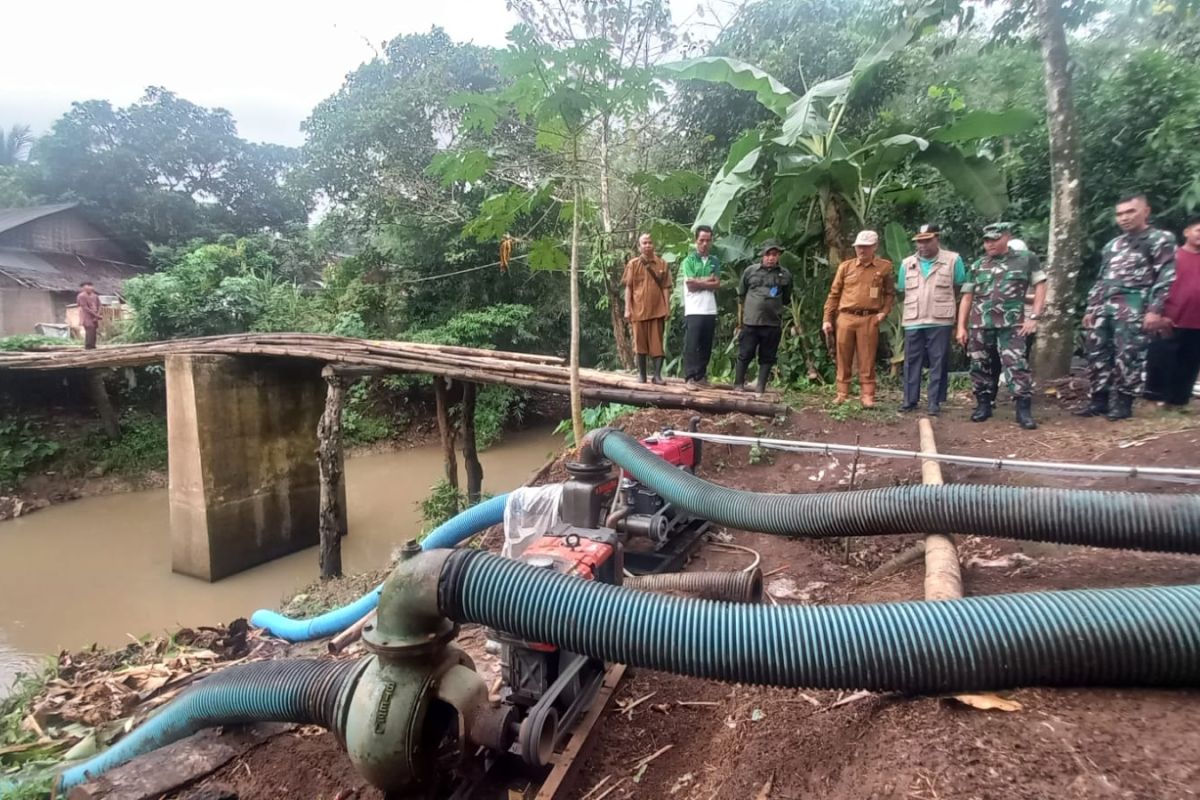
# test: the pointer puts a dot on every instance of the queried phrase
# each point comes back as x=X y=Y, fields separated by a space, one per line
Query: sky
x=268 y=62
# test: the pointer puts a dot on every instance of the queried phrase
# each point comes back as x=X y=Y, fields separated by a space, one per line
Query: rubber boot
x=761 y=388
x=1122 y=407
x=983 y=408
x=1025 y=413
x=658 y=379
x=1098 y=406
x=739 y=376
x=641 y=364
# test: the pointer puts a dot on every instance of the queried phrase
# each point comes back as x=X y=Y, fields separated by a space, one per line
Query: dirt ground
x=746 y=742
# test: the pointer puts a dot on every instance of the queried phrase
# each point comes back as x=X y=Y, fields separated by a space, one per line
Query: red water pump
x=610 y=525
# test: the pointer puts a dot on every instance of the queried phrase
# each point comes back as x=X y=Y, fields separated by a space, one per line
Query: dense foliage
x=434 y=153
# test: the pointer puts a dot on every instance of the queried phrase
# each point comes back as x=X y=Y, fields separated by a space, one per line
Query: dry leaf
x=988 y=702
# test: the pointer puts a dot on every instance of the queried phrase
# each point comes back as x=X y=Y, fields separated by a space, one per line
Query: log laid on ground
x=943 y=576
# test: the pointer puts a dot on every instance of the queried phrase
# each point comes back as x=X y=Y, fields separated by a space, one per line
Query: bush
x=141 y=448
x=444 y=502
x=21 y=449
x=495 y=408
x=32 y=342
x=593 y=418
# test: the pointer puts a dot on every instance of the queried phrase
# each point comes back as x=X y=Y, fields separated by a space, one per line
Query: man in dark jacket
x=764 y=292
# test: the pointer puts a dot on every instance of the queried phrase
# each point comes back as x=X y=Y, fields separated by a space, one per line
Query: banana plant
x=810 y=168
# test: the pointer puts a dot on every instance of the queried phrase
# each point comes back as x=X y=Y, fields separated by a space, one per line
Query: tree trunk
x=576 y=394
x=620 y=338
x=332 y=465
x=831 y=218
x=108 y=417
x=469 y=451
x=620 y=334
x=441 y=395
x=1056 y=339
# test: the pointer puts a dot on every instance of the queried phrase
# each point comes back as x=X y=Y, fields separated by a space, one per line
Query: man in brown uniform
x=647 y=282
x=89 y=313
x=859 y=300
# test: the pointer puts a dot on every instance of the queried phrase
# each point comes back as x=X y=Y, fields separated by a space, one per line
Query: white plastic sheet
x=530 y=512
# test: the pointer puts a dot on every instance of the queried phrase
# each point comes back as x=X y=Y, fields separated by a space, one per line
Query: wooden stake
x=470 y=453
x=450 y=461
x=332 y=464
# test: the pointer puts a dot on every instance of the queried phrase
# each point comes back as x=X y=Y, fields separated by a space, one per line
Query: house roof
x=62 y=272
x=16 y=217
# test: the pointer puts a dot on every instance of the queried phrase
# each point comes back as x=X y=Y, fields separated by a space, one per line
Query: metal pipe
x=1171 y=474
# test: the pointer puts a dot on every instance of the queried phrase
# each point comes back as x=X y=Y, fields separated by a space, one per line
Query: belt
x=857 y=312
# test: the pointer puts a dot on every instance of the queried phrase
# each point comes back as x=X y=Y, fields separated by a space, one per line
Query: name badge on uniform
x=874 y=293
x=774 y=291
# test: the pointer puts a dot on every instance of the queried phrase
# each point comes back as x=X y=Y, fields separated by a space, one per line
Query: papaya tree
x=564 y=98
x=814 y=174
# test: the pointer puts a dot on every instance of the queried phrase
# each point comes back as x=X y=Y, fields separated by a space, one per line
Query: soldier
x=1124 y=307
x=992 y=323
x=764 y=291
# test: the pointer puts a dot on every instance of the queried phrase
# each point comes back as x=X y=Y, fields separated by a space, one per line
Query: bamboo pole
x=943 y=576
x=532 y=372
x=446 y=429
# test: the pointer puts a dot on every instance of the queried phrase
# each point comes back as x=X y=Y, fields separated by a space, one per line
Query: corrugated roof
x=63 y=272
x=16 y=217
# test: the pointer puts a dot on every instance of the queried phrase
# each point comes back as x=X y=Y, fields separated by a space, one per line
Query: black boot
x=1025 y=413
x=1122 y=407
x=1098 y=406
x=761 y=388
x=657 y=370
x=983 y=408
x=641 y=362
x=739 y=376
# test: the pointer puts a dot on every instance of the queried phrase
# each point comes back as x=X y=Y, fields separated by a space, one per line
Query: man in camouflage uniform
x=1124 y=307
x=992 y=323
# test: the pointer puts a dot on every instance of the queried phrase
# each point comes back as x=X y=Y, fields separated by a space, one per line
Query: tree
x=1056 y=344
x=164 y=170
x=561 y=97
x=14 y=147
x=805 y=162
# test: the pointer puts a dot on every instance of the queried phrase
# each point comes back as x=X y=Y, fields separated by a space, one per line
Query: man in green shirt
x=764 y=291
x=699 y=280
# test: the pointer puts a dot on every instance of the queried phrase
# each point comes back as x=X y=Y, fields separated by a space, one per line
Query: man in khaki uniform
x=859 y=300
x=647 y=282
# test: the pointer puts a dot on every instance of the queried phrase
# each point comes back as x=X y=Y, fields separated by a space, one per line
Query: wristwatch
x=1033 y=317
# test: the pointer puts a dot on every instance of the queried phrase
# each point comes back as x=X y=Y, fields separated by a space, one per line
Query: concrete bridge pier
x=244 y=481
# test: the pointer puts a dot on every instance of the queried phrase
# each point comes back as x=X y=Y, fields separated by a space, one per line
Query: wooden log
x=469 y=446
x=352 y=634
x=441 y=396
x=943 y=575
x=332 y=465
x=108 y=417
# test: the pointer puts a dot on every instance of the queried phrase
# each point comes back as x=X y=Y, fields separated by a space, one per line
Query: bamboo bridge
x=254 y=426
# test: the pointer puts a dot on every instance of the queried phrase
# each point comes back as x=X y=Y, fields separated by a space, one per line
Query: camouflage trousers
x=996 y=350
x=1115 y=350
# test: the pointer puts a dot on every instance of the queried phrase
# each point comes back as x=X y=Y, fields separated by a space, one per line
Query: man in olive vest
x=927 y=279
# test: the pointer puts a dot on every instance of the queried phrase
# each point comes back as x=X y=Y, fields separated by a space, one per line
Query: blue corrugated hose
x=1093 y=637
x=304 y=691
x=1128 y=520
x=465 y=525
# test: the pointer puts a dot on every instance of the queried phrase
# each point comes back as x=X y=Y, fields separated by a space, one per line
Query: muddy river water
x=99 y=569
